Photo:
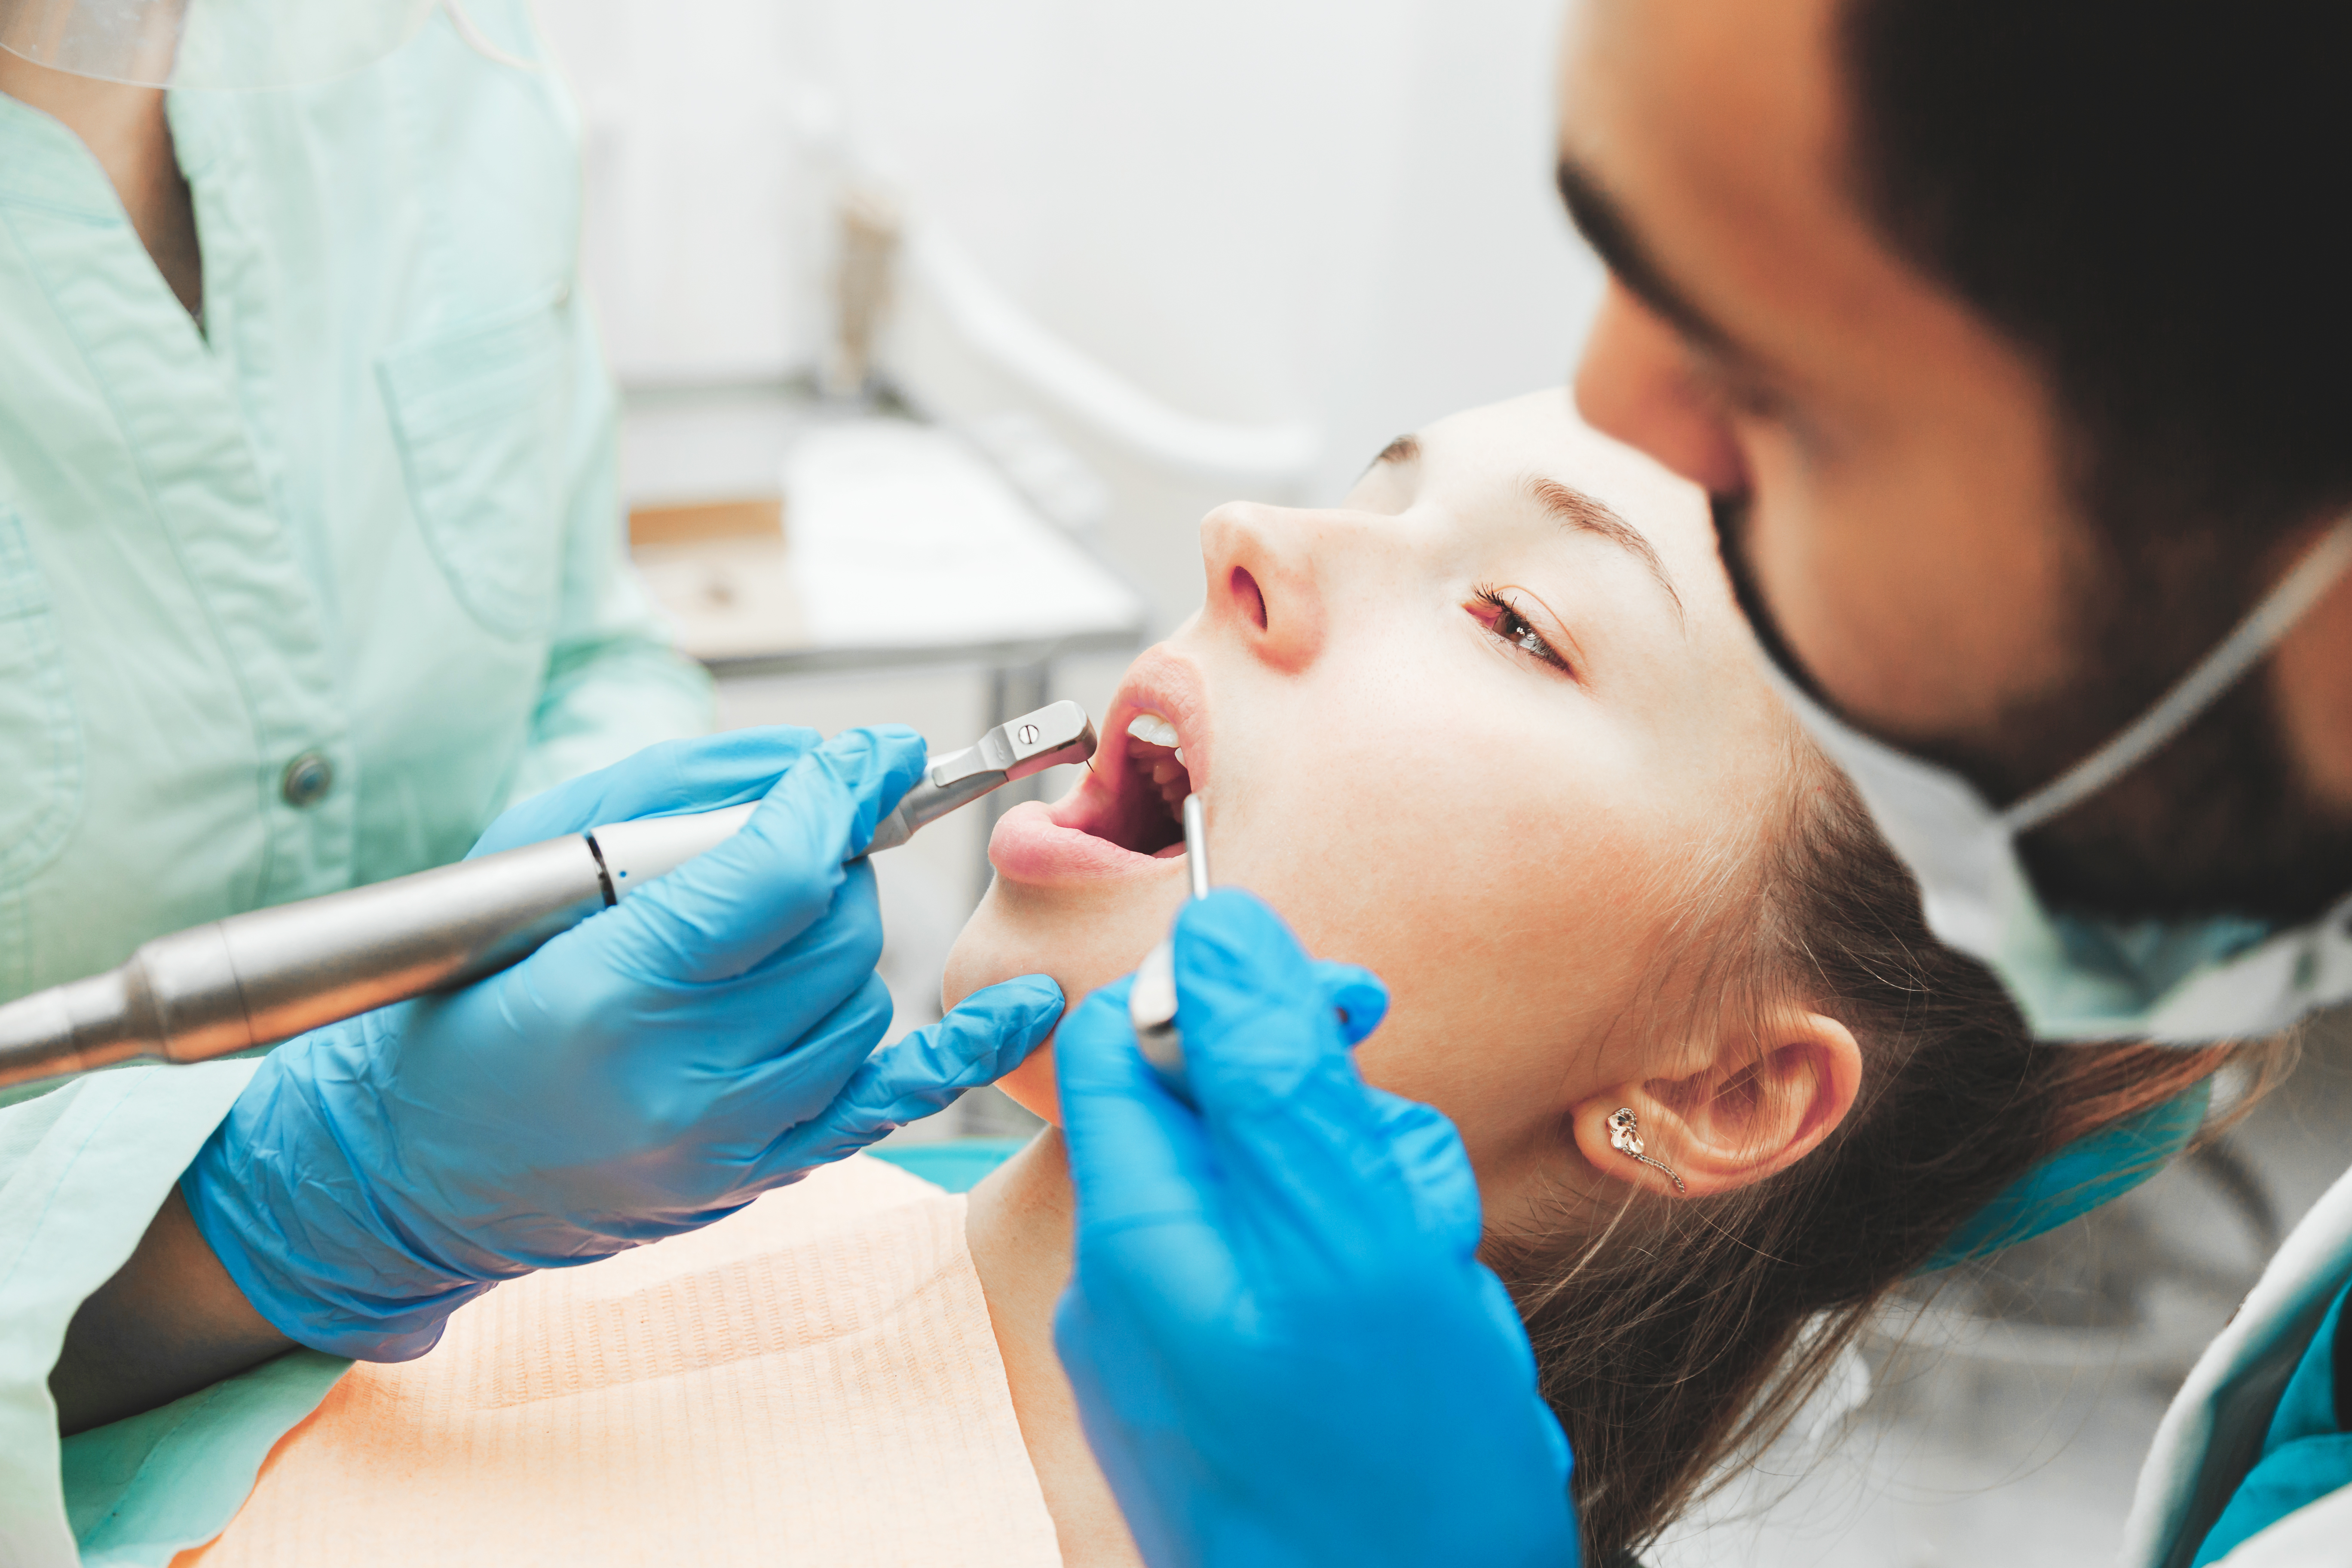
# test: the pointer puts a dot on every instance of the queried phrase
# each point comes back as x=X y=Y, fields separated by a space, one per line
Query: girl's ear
x=1763 y=1103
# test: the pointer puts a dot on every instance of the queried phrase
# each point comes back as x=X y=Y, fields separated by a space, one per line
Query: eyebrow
x=1586 y=515
x=1403 y=449
x=1570 y=506
x=1606 y=229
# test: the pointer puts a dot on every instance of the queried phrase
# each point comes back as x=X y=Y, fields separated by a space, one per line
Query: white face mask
x=2181 y=982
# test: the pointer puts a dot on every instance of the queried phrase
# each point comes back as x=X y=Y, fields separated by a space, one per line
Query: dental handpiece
x=1152 y=1001
x=269 y=975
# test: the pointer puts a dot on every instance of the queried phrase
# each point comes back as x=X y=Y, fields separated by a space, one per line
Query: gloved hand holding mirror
x=1278 y=1299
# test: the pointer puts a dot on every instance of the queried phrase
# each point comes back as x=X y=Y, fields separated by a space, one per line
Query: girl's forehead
x=1517 y=467
x=1497 y=446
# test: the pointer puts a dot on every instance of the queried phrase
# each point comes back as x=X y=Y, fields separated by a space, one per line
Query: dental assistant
x=311 y=547
x=2018 y=383
x=310 y=572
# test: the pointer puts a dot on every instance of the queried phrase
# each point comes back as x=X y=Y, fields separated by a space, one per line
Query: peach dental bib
x=812 y=1381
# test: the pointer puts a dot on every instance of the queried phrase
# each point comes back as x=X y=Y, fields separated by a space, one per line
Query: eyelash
x=1506 y=626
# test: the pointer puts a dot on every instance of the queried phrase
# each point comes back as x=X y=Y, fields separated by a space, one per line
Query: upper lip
x=1160 y=683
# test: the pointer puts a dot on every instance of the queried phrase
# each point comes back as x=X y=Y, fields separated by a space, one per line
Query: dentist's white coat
x=2210 y=1436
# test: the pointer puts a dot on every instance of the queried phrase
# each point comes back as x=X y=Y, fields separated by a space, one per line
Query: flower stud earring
x=1626 y=1138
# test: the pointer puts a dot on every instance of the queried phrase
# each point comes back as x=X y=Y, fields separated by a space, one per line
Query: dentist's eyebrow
x=1586 y=515
x=1602 y=220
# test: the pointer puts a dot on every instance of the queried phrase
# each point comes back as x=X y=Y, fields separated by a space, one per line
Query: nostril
x=1246 y=595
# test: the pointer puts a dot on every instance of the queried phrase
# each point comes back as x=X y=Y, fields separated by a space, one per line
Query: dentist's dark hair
x=1676 y=1337
x=2140 y=197
x=2145 y=193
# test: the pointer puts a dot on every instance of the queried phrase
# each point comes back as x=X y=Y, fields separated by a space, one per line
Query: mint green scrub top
x=292 y=601
x=300 y=597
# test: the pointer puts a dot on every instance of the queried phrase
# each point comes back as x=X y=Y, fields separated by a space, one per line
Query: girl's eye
x=1502 y=621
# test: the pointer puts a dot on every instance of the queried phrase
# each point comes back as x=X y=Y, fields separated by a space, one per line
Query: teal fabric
x=141 y=1490
x=2306 y=1454
x=2079 y=1178
x=958 y=1164
x=83 y=1171
x=369 y=509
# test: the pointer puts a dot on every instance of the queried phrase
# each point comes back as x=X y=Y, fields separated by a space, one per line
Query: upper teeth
x=1158 y=731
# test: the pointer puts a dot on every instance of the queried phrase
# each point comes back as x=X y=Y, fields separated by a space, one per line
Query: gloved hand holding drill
x=649 y=1070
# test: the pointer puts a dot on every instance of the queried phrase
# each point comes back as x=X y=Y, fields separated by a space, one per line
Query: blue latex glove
x=653 y=1068
x=1285 y=1349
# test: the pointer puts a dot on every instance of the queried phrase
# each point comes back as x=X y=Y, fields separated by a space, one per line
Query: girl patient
x=1491 y=728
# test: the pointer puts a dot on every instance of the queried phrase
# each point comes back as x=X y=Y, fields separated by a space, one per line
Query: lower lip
x=1029 y=846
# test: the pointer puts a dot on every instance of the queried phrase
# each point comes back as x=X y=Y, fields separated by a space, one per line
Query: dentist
x=2009 y=339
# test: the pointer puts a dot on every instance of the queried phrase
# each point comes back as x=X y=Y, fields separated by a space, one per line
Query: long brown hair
x=1673 y=1337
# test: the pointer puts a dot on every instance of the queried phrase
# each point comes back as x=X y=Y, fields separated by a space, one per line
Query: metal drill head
x=1056 y=733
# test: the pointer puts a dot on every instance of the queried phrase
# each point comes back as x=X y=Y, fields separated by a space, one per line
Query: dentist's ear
x=1766 y=1103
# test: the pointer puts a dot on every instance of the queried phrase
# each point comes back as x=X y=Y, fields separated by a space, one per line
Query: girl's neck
x=1019 y=1226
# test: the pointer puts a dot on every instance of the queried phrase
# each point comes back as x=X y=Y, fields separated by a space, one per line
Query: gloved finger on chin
x=923 y=1072
x=724 y=910
x=982 y=1037
x=705 y=774
x=928 y=1070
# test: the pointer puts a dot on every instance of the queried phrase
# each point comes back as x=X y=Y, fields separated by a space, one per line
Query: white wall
x=703 y=201
x=1332 y=216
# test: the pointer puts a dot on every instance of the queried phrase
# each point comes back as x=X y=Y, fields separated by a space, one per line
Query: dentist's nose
x=1634 y=382
x=1265 y=587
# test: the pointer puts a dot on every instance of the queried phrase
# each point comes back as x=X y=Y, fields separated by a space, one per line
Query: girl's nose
x=1634 y=382
x=1265 y=587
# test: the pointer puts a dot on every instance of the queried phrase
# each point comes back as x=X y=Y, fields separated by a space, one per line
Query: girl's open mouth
x=1125 y=816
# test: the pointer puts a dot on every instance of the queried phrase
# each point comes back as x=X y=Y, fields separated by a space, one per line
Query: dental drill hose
x=269 y=975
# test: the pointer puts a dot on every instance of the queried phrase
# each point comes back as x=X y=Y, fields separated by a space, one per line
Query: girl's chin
x=1084 y=936
x=1030 y=1085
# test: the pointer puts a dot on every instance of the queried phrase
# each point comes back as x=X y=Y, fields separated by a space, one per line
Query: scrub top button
x=307 y=779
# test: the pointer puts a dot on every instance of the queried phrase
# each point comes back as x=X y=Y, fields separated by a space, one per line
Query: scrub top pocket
x=40 y=735
x=478 y=415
